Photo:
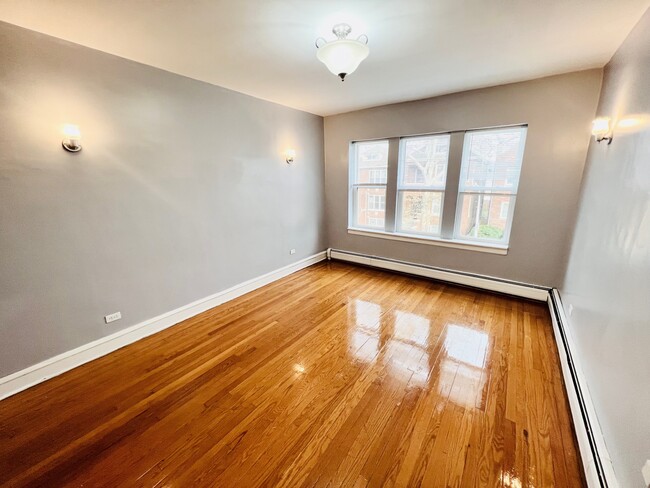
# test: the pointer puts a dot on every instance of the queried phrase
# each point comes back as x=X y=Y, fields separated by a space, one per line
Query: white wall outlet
x=113 y=317
x=645 y=471
x=570 y=310
x=292 y=251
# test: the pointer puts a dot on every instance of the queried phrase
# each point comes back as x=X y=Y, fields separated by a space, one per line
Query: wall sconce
x=289 y=155
x=601 y=129
x=72 y=137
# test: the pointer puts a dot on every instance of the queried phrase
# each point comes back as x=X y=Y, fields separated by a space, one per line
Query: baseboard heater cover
x=597 y=464
x=40 y=372
x=490 y=283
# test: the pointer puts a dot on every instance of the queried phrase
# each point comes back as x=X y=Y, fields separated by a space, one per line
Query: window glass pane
x=421 y=211
x=492 y=159
x=372 y=162
x=370 y=206
x=482 y=216
x=424 y=161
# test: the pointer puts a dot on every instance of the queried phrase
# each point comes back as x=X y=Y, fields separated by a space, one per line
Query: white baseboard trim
x=525 y=290
x=33 y=375
x=596 y=461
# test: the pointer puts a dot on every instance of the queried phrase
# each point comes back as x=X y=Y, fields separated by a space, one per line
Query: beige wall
x=608 y=276
x=558 y=111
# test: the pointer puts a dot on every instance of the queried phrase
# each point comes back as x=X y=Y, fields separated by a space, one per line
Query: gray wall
x=608 y=276
x=559 y=111
x=181 y=191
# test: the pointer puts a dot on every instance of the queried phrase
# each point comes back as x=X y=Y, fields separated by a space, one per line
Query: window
x=376 y=202
x=503 y=213
x=368 y=191
x=489 y=178
x=422 y=170
x=479 y=209
x=377 y=176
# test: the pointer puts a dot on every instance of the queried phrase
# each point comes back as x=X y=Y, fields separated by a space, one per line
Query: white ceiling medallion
x=342 y=56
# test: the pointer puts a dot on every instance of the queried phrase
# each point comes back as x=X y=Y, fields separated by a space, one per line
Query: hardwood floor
x=334 y=376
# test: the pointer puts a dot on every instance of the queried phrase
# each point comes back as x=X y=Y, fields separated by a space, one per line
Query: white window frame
x=402 y=188
x=450 y=217
x=355 y=186
x=492 y=191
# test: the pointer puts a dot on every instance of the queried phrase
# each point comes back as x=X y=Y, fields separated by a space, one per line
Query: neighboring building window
x=503 y=213
x=422 y=176
x=368 y=190
x=376 y=202
x=377 y=176
x=489 y=179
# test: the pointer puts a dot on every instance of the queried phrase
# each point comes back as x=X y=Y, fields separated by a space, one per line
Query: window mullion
x=450 y=200
x=391 y=183
x=352 y=187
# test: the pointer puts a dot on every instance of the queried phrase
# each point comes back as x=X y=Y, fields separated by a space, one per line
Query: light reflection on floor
x=399 y=339
x=511 y=481
x=412 y=328
x=463 y=365
x=364 y=336
x=402 y=340
x=466 y=345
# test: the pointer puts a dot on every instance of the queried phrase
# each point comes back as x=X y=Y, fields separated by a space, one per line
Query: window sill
x=433 y=241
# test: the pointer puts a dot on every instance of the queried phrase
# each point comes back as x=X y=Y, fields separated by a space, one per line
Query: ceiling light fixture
x=342 y=56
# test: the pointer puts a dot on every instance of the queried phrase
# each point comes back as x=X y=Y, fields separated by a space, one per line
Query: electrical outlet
x=113 y=317
x=570 y=311
x=645 y=471
x=292 y=251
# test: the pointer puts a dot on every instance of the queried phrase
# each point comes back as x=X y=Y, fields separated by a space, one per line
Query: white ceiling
x=418 y=48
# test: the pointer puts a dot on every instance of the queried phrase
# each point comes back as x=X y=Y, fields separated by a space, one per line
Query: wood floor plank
x=337 y=375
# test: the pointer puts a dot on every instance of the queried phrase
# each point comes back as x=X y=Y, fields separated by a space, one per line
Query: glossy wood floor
x=335 y=376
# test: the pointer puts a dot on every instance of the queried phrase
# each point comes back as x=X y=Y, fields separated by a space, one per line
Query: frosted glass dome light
x=342 y=56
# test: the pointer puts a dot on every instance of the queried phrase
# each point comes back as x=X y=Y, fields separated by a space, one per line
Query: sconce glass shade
x=601 y=130
x=342 y=56
x=290 y=155
x=71 y=131
x=72 y=136
x=600 y=126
